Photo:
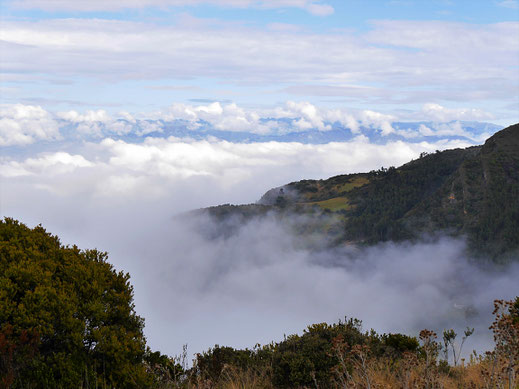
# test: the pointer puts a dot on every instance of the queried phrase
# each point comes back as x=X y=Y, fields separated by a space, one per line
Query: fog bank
x=261 y=283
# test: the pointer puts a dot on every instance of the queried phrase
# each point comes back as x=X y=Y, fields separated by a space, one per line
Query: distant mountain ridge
x=472 y=192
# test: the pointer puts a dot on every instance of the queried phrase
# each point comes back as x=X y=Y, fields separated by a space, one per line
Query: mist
x=261 y=283
x=195 y=285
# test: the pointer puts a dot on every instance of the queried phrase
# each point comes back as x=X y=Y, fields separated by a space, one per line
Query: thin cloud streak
x=315 y=7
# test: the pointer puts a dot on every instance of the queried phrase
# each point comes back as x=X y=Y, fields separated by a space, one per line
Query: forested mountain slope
x=471 y=192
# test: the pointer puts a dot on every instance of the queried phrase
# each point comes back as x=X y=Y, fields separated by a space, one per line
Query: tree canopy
x=67 y=317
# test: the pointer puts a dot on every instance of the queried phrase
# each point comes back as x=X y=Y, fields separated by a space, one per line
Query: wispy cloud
x=514 y=4
x=400 y=58
x=315 y=7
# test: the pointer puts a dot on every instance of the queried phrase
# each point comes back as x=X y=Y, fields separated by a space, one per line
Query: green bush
x=67 y=317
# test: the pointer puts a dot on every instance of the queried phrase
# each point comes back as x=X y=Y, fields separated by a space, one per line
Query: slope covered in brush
x=481 y=199
x=471 y=192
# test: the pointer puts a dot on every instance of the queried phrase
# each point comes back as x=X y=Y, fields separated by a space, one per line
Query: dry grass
x=383 y=374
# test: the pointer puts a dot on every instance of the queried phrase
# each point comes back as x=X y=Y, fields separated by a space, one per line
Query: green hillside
x=472 y=192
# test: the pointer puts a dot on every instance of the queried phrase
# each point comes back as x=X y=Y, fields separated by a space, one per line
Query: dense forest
x=67 y=319
x=472 y=192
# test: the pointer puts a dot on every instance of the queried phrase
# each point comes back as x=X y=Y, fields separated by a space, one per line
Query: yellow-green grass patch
x=335 y=204
x=355 y=183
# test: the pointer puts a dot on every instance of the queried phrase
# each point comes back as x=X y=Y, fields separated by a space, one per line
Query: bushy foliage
x=343 y=356
x=300 y=360
x=306 y=359
x=381 y=207
x=67 y=317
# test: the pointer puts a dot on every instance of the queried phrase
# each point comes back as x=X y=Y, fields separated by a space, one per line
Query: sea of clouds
x=260 y=282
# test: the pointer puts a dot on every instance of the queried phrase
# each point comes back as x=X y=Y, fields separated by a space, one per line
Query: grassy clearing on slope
x=355 y=183
x=335 y=204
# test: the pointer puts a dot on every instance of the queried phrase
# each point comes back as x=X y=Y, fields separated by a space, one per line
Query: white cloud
x=320 y=9
x=438 y=113
x=50 y=164
x=461 y=60
x=146 y=127
x=96 y=123
x=296 y=116
x=291 y=117
x=514 y=4
x=228 y=117
x=89 y=117
x=24 y=124
x=307 y=115
x=435 y=36
x=157 y=166
x=378 y=120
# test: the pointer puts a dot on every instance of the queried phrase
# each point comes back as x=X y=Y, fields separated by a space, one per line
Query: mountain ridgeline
x=472 y=192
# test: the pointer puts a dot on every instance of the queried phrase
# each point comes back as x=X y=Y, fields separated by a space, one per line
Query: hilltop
x=471 y=192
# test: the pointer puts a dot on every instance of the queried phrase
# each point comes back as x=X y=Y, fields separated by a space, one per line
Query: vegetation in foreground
x=67 y=320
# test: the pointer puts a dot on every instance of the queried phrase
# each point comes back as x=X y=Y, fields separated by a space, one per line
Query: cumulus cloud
x=48 y=163
x=292 y=117
x=308 y=116
x=438 y=113
x=169 y=169
x=96 y=123
x=229 y=117
x=450 y=129
x=378 y=120
x=89 y=116
x=24 y=124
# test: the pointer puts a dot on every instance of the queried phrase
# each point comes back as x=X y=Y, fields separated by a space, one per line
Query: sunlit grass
x=335 y=204
x=355 y=183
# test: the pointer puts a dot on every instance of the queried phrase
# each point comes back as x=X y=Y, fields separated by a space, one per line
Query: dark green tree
x=67 y=317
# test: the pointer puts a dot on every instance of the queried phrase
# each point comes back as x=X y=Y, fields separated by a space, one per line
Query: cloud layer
x=398 y=61
x=121 y=196
x=26 y=124
x=302 y=89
